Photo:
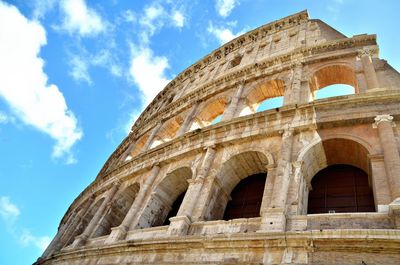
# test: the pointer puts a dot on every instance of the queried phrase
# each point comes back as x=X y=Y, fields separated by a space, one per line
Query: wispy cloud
x=80 y=69
x=42 y=105
x=223 y=33
x=178 y=18
x=80 y=19
x=9 y=213
x=225 y=7
x=26 y=239
x=8 y=210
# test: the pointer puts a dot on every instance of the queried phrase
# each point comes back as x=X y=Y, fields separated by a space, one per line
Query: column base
x=117 y=233
x=394 y=213
x=273 y=221
x=179 y=225
x=79 y=241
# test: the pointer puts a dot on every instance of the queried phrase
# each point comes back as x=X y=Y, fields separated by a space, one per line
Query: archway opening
x=242 y=181
x=271 y=103
x=333 y=80
x=119 y=208
x=175 y=208
x=267 y=95
x=334 y=168
x=246 y=198
x=340 y=189
x=334 y=91
x=165 y=199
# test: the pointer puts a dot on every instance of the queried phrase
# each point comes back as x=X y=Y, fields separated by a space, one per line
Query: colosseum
x=206 y=177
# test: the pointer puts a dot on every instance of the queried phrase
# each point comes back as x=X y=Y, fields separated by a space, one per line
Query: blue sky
x=74 y=74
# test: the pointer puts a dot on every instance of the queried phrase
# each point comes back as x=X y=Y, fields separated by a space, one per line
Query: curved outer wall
x=174 y=148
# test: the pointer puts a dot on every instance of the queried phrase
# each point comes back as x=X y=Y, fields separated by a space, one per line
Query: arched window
x=84 y=222
x=340 y=189
x=137 y=148
x=166 y=199
x=210 y=113
x=119 y=208
x=168 y=131
x=333 y=80
x=268 y=95
x=246 y=198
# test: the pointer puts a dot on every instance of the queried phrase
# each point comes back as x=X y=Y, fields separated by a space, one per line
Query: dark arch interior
x=340 y=189
x=175 y=208
x=246 y=198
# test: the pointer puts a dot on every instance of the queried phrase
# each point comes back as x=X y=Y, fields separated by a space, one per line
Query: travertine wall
x=174 y=148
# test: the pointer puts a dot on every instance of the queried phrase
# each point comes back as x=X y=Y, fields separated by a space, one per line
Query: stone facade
x=174 y=148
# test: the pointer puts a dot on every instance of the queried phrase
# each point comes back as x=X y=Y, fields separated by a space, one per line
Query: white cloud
x=225 y=7
x=8 y=210
x=26 y=239
x=223 y=34
x=178 y=19
x=79 y=18
x=148 y=72
x=23 y=84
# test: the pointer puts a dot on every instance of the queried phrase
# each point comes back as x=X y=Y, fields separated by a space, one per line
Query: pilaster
x=384 y=123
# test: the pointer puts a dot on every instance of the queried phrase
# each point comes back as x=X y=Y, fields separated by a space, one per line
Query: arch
x=168 y=131
x=210 y=112
x=232 y=172
x=333 y=74
x=340 y=189
x=166 y=192
x=261 y=92
x=321 y=153
x=138 y=146
x=119 y=208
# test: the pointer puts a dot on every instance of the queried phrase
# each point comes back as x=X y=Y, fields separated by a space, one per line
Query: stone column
x=119 y=233
x=180 y=223
x=292 y=95
x=384 y=123
x=188 y=120
x=275 y=217
x=81 y=239
x=231 y=110
x=152 y=136
x=268 y=189
x=369 y=70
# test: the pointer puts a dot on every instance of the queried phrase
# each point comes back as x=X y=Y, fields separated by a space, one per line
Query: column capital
x=371 y=52
x=383 y=118
x=286 y=131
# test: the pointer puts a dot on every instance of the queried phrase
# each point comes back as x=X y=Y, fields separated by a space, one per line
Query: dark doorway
x=246 y=198
x=175 y=208
x=340 y=189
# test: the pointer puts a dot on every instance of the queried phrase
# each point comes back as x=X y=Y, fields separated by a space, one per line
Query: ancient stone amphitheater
x=313 y=181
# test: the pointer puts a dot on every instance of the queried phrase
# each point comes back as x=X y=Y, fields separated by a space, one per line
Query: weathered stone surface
x=174 y=148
